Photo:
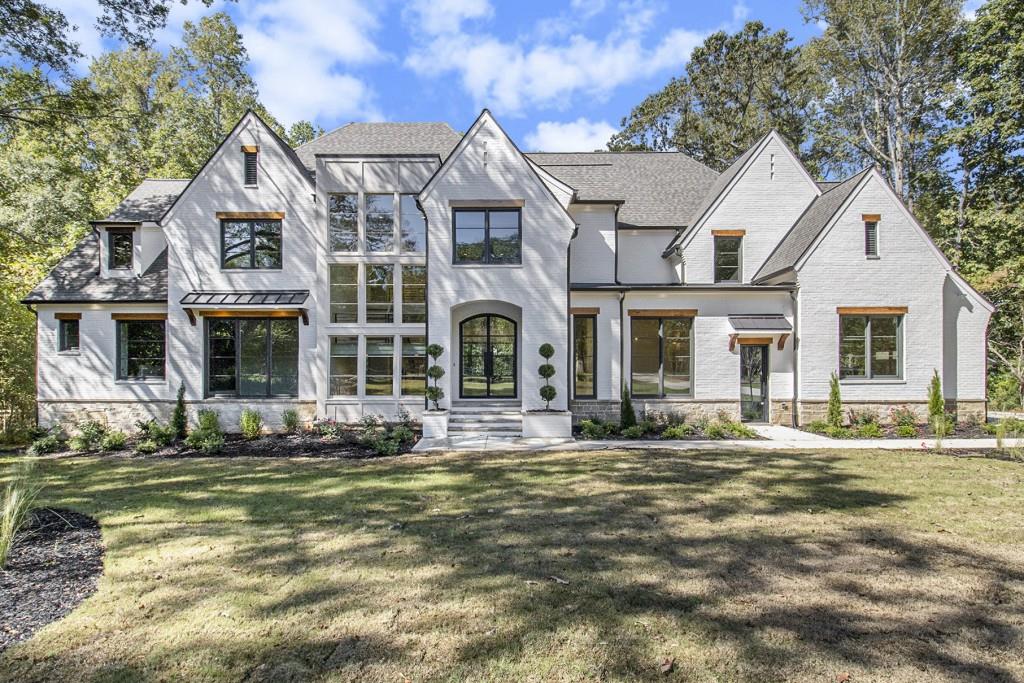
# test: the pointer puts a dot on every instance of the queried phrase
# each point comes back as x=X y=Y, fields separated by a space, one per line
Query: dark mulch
x=302 y=445
x=54 y=565
x=961 y=431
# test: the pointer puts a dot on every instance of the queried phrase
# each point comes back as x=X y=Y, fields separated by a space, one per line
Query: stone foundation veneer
x=691 y=410
x=976 y=411
x=125 y=415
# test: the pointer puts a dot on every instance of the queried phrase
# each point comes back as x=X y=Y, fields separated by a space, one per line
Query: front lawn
x=559 y=566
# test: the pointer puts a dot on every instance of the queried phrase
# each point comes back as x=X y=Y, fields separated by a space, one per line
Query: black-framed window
x=344 y=378
x=250 y=244
x=380 y=293
x=584 y=329
x=661 y=357
x=380 y=366
x=871 y=239
x=870 y=346
x=344 y=222
x=252 y=357
x=120 y=249
x=380 y=222
x=67 y=335
x=141 y=347
x=249 y=164
x=728 y=258
x=414 y=225
x=488 y=236
x=414 y=366
x=414 y=294
x=344 y=292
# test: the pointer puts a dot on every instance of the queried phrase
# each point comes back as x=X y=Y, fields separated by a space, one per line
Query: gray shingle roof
x=148 y=201
x=808 y=227
x=658 y=189
x=382 y=138
x=77 y=279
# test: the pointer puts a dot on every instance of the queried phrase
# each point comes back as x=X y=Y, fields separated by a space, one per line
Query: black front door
x=487 y=355
x=754 y=383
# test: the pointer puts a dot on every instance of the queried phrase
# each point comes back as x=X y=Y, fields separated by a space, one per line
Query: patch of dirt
x=53 y=566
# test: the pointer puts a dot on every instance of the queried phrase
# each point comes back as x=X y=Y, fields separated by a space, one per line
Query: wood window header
x=584 y=311
x=253 y=313
x=662 y=312
x=871 y=217
x=67 y=316
x=871 y=310
x=251 y=215
x=251 y=149
x=755 y=341
x=728 y=233
x=138 y=316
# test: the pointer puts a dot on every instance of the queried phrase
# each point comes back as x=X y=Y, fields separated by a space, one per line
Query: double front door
x=487 y=350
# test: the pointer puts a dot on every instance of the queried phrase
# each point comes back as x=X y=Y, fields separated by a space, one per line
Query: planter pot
x=435 y=424
x=548 y=425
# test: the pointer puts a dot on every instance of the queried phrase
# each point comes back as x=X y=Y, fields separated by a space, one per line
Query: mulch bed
x=54 y=565
x=962 y=431
x=302 y=445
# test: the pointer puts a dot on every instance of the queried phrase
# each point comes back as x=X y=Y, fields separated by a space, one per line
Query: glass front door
x=754 y=383
x=488 y=357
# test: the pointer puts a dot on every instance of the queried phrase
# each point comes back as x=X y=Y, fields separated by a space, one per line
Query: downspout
x=35 y=371
x=622 y=297
x=794 y=422
x=426 y=296
x=570 y=339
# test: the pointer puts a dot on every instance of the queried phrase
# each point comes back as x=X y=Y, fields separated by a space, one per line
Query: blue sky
x=558 y=74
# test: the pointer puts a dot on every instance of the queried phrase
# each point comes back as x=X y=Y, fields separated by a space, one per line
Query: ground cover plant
x=666 y=427
x=610 y=565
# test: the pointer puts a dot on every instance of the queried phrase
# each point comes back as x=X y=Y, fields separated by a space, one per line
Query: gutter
x=683 y=288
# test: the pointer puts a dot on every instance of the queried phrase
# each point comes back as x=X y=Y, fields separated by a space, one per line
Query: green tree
x=736 y=88
x=834 y=414
x=302 y=132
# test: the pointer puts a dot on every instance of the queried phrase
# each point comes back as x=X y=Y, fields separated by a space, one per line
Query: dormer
x=130 y=238
x=120 y=249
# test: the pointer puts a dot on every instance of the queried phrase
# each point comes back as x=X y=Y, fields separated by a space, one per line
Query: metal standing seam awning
x=767 y=325
x=286 y=303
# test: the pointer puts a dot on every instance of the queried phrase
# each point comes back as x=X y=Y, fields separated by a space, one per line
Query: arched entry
x=487 y=349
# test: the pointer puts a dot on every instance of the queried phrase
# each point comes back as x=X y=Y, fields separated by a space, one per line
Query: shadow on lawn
x=740 y=553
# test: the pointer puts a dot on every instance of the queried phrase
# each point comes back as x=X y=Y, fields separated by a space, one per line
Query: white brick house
x=314 y=278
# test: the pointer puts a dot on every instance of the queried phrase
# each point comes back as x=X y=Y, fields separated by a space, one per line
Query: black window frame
x=63 y=345
x=112 y=234
x=119 y=355
x=739 y=258
x=332 y=198
x=401 y=224
x=250 y=168
x=871 y=239
x=401 y=366
x=252 y=243
x=487 y=211
x=661 y=357
x=269 y=320
x=869 y=375
x=592 y=321
x=330 y=368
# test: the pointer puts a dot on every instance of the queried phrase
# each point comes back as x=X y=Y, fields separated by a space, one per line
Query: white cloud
x=446 y=16
x=588 y=8
x=581 y=135
x=970 y=9
x=513 y=75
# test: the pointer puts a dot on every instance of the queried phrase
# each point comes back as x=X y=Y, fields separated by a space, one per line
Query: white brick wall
x=592 y=253
x=640 y=260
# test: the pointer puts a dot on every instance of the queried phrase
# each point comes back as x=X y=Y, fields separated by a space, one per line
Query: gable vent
x=250 y=154
x=871 y=238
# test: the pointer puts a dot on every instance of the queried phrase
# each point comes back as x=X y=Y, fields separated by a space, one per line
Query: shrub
x=861 y=418
x=907 y=431
x=547 y=371
x=715 y=430
x=628 y=415
x=870 y=430
x=147 y=446
x=161 y=435
x=327 y=428
x=834 y=415
x=382 y=438
x=818 y=426
x=1004 y=392
x=251 y=423
x=207 y=437
x=679 y=431
x=593 y=429
x=89 y=438
x=739 y=430
x=902 y=416
x=634 y=432
x=290 y=420
x=839 y=432
x=936 y=406
x=435 y=372
x=209 y=420
x=179 y=418
x=52 y=442
x=19 y=499
x=114 y=441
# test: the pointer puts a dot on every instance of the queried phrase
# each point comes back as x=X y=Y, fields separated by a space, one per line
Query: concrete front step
x=487 y=417
x=477 y=426
x=452 y=433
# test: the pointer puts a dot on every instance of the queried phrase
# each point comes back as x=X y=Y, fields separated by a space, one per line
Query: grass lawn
x=564 y=566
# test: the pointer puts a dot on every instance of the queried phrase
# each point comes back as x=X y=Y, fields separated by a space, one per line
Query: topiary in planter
x=547 y=371
x=435 y=372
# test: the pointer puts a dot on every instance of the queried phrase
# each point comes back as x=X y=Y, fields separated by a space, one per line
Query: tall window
x=120 y=245
x=487 y=236
x=252 y=357
x=414 y=294
x=585 y=355
x=380 y=293
x=414 y=366
x=660 y=356
x=380 y=222
x=727 y=258
x=251 y=244
x=67 y=334
x=140 y=349
x=344 y=366
x=870 y=346
x=344 y=222
x=380 y=355
x=344 y=293
x=871 y=238
x=414 y=225
x=249 y=156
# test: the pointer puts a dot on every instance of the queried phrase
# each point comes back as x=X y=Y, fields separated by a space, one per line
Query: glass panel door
x=474 y=355
x=488 y=357
x=754 y=383
x=502 y=346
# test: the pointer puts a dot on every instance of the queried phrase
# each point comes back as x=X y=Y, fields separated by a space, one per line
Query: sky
x=558 y=74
